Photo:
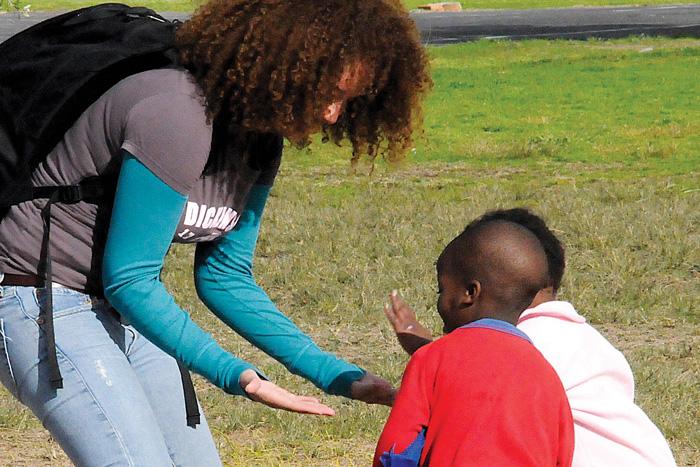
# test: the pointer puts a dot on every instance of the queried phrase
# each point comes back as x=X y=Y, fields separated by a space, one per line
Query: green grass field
x=600 y=137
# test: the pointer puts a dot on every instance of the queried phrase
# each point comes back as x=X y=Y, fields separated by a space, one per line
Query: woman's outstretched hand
x=373 y=390
x=268 y=393
x=411 y=334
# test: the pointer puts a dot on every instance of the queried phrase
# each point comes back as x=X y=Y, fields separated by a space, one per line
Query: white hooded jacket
x=610 y=429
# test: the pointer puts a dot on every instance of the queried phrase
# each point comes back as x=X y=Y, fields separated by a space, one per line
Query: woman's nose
x=332 y=112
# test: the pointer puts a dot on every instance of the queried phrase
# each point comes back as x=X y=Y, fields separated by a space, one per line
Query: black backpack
x=49 y=74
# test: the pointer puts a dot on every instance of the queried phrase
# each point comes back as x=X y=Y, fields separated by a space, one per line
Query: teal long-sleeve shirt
x=144 y=218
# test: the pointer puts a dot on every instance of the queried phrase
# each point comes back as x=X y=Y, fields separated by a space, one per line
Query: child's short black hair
x=552 y=246
x=505 y=258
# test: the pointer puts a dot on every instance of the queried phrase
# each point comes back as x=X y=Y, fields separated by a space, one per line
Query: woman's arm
x=225 y=283
x=144 y=218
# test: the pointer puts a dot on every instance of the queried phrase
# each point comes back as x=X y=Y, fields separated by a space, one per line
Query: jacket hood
x=553 y=309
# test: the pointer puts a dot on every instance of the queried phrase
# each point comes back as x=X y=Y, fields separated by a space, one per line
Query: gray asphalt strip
x=559 y=23
x=551 y=23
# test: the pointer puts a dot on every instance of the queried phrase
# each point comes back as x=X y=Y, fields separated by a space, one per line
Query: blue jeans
x=121 y=402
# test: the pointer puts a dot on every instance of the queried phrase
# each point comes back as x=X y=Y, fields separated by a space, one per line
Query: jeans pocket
x=7 y=292
x=65 y=301
x=7 y=376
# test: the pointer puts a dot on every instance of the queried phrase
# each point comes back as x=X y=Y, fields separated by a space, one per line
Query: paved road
x=557 y=23
x=560 y=23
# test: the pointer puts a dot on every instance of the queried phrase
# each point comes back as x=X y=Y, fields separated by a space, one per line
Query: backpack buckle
x=70 y=194
x=91 y=188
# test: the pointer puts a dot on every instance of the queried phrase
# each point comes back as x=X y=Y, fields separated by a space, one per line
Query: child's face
x=450 y=297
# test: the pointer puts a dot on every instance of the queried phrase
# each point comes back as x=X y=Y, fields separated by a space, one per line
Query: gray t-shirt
x=159 y=117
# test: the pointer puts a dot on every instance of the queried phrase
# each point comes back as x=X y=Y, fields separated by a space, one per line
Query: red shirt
x=487 y=398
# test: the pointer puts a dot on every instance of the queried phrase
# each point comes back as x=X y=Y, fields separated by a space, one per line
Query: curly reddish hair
x=273 y=66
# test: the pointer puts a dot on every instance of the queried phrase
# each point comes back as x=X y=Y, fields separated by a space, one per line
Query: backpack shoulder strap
x=51 y=72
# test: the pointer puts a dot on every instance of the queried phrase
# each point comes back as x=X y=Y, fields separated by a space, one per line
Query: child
x=611 y=430
x=482 y=395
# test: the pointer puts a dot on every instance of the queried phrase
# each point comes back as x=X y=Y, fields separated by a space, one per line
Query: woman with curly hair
x=195 y=150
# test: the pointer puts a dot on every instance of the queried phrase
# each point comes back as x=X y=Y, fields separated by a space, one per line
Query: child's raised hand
x=268 y=393
x=411 y=334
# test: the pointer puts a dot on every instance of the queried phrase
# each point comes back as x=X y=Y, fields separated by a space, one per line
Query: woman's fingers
x=309 y=399
x=313 y=408
x=270 y=394
x=279 y=398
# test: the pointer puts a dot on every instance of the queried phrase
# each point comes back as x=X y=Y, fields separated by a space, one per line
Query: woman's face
x=351 y=84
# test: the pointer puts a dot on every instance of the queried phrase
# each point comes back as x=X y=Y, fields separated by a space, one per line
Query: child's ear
x=471 y=293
